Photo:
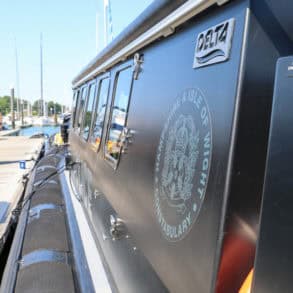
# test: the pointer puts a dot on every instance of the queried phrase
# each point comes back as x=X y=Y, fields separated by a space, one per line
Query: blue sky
x=69 y=41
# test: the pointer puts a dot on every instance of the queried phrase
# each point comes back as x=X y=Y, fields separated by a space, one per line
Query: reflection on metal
x=117 y=228
x=45 y=167
x=138 y=60
x=4 y=205
x=126 y=139
x=42 y=181
x=88 y=266
x=246 y=230
x=73 y=187
x=35 y=212
x=45 y=255
x=97 y=193
x=55 y=156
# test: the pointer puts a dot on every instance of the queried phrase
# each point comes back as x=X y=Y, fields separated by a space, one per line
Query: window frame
x=99 y=81
x=89 y=84
x=108 y=158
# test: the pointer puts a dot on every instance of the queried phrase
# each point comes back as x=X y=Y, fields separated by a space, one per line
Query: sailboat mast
x=106 y=39
x=110 y=20
x=17 y=78
x=108 y=23
x=41 y=105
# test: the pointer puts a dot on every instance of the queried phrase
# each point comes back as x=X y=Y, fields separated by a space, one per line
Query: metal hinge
x=137 y=62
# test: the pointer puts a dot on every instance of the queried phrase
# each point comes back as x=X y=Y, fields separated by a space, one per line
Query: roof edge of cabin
x=159 y=19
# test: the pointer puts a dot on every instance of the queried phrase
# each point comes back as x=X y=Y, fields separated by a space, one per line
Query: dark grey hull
x=196 y=257
x=172 y=181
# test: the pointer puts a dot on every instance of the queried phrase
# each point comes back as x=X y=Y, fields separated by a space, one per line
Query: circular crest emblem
x=183 y=164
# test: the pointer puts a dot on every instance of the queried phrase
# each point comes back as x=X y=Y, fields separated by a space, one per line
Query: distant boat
x=28 y=120
x=43 y=120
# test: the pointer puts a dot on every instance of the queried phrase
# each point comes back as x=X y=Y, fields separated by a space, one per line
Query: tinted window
x=80 y=110
x=74 y=105
x=98 y=122
x=88 y=112
x=118 y=114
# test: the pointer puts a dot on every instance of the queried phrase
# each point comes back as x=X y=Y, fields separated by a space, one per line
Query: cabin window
x=98 y=122
x=80 y=108
x=74 y=105
x=77 y=109
x=118 y=115
x=89 y=109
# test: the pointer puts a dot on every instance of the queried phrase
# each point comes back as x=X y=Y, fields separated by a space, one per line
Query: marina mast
x=41 y=101
x=17 y=79
x=108 y=24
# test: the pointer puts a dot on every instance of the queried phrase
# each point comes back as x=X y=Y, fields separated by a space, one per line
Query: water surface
x=50 y=130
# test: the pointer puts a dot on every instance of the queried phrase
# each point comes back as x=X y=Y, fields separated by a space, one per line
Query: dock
x=12 y=150
x=10 y=132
